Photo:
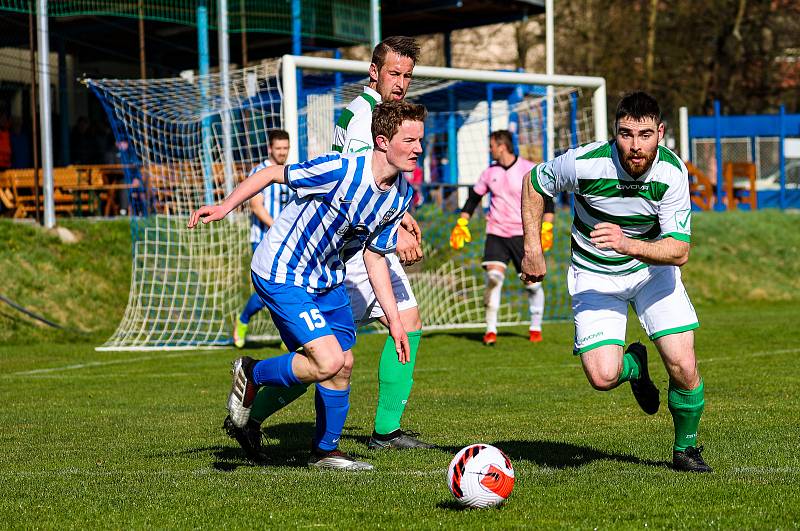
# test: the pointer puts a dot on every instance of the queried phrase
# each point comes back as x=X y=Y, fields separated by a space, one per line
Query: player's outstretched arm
x=378 y=273
x=534 y=267
x=246 y=189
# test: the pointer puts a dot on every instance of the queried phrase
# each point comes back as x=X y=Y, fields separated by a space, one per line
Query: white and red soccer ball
x=480 y=476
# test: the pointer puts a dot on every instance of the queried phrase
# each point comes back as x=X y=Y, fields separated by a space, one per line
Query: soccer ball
x=480 y=476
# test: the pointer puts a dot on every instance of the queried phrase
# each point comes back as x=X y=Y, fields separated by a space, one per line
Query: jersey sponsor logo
x=682 y=219
x=389 y=215
x=634 y=186
x=358 y=146
x=583 y=340
x=350 y=232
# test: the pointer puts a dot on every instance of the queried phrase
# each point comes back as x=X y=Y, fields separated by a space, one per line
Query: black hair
x=277 y=134
x=503 y=137
x=639 y=106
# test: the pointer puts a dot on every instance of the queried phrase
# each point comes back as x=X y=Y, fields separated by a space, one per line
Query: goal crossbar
x=291 y=63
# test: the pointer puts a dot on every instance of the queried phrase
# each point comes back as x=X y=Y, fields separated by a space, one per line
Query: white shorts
x=362 y=297
x=600 y=305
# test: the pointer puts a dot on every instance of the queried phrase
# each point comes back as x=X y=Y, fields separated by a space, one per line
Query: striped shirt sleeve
x=340 y=131
x=675 y=210
x=554 y=176
x=317 y=176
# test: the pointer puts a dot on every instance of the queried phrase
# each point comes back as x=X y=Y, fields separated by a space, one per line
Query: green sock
x=271 y=399
x=394 y=384
x=686 y=408
x=630 y=368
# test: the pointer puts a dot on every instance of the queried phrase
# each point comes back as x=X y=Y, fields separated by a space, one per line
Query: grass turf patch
x=134 y=439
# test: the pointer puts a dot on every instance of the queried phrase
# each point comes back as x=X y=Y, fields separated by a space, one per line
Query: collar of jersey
x=372 y=183
x=506 y=168
x=373 y=93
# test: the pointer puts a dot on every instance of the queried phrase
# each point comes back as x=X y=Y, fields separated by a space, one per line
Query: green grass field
x=133 y=440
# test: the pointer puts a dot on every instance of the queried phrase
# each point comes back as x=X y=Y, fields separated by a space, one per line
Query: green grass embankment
x=82 y=286
x=737 y=256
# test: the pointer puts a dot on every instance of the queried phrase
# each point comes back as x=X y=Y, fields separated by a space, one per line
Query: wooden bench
x=701 y=189
x=19 y=191
x=77 y=190
x=740 y=195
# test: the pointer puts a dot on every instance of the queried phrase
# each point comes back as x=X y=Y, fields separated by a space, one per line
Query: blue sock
x=332 y=407
x=253 y=306
x=276 y=371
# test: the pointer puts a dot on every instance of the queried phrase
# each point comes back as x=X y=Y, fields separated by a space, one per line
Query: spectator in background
x=106 y=144
x=415 y=179
x=21 y=153
x=81 y=142
x=5 y=142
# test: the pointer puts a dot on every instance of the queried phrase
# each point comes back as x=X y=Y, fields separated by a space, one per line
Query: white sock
x=494 y=287
x=535 y=305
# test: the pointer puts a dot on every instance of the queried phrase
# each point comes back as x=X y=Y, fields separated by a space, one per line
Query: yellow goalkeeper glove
x=547 y=236
x=460 y=234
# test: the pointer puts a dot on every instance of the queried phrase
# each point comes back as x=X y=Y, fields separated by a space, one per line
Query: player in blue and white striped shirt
x=265 y=207
x=343 y=203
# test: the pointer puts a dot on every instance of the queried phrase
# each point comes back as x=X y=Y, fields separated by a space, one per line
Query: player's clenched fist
x=460 y=234
x=547 y=236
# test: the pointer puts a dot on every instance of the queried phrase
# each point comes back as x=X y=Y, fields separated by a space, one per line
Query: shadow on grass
x=472 y=335
x=560 y=455
x=283 y=445
x=451 y=505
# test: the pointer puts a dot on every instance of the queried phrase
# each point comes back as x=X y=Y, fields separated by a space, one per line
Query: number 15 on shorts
x=313 y=319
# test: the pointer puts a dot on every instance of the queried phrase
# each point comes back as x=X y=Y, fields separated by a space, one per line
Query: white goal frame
x=291 y=63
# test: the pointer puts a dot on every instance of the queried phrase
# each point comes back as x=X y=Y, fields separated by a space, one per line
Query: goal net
x=187 y=141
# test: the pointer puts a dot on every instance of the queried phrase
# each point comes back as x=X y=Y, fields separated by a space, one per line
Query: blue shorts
x=301 y=316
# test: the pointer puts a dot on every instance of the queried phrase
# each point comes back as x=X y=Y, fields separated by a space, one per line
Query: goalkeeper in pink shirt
x=504 y=239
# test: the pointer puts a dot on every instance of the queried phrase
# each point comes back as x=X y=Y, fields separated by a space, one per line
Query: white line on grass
x=700 y=359
x=92 y=364
x=270 y=471
x=261 y=470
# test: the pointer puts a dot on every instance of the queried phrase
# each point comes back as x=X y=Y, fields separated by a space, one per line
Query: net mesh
x=343 y=20
x=188 y=286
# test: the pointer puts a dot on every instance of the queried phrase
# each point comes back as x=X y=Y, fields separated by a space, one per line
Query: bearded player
x=631 y=234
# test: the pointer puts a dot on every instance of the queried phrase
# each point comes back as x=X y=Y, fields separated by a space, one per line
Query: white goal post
x=185 y=133
x=291 y=63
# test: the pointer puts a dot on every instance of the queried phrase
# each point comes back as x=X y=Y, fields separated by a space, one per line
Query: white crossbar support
x=290 y=64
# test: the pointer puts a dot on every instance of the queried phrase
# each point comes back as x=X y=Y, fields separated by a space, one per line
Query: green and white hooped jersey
x=656 y=205
x=353 y=131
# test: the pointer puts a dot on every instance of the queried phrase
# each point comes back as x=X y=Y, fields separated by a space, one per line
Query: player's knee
x=411 y=320
x=494 y=278
x=329 y=366
x=603 y=378
x=347 y=366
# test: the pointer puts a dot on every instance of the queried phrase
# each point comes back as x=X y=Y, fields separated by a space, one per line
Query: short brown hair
x=389 y=115
x=402 y=46
x=277 y=134
x=503 y=137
